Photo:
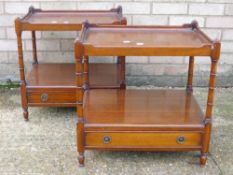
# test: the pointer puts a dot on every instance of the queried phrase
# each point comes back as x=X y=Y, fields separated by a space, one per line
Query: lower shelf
x=54 y=84
x=140 y=110
x=62 y=75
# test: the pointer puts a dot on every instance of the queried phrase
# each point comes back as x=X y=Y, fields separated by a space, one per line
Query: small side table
x=148 y=120
x=54 y=84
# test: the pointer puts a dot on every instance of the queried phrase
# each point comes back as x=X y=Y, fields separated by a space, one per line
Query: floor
x=46 y=144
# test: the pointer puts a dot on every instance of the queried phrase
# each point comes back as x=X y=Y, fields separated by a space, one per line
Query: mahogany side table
x=54 y=84
x=147 y=120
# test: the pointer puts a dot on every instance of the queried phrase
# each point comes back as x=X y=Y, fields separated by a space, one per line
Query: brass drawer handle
x=106 y=139
x=44 y=97
x=180 y=139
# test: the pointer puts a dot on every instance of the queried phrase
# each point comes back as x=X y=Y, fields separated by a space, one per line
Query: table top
x=117 y=39
x=51 y=19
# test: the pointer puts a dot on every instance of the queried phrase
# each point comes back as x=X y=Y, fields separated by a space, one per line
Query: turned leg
x=21 y=69
x=121 y=63
x=25 y=113
x=81 y=159
x=80 y=140
x=121 y=59
x=34 y=50
x=80 y=80
x=203 y=159
x=189 y=86
x=24 y=100
x=208 y=116
x=86 y=72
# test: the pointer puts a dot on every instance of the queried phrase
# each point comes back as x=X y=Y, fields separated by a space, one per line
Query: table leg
x=21 y=69
x=189 y=86
x=207 y=121
x=79 y=96
x=86 y=72
x=121 y=62
x=34 y=50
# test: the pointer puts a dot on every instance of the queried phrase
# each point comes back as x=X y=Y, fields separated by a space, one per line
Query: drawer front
x=143 y=139
x=51 y=97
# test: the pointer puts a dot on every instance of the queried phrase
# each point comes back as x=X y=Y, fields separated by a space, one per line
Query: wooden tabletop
x=38 y=19
x=146 y=40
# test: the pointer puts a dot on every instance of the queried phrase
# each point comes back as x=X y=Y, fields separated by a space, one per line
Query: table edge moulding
x=111 y=120
x=66 y=25
x=62 y=95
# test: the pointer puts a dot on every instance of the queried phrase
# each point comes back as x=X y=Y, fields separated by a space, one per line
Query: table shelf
x=62 y=75
x=142 y=110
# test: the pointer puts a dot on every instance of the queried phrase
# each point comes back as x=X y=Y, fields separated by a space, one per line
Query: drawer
x=143 y=139
x=51 y=97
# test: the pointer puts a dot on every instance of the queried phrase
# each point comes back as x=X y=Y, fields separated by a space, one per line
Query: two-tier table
x=126 y=119
x=54 y=84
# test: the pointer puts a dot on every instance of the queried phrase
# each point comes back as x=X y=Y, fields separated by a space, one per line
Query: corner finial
x=31 y=9
x=119 y=9
x=194 y=24
x=86 y=24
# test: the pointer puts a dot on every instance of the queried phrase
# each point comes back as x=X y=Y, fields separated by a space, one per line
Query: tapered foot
x=81 y=160
x=203 y=159
x=25 y=114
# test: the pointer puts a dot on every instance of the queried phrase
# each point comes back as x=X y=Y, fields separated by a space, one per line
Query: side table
x=54 y=84
x=147 y=120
